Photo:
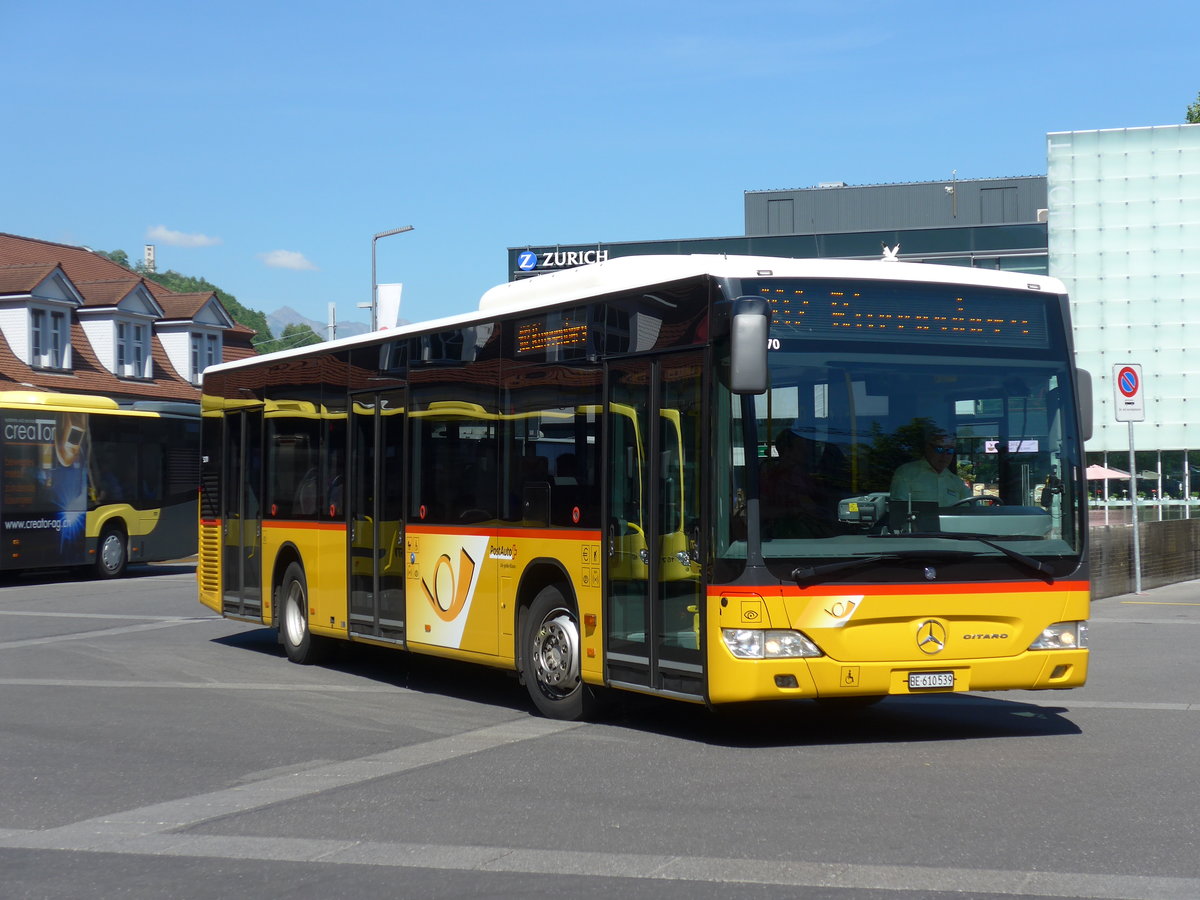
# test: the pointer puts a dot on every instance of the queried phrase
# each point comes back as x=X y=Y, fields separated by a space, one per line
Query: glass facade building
x=1124 y=235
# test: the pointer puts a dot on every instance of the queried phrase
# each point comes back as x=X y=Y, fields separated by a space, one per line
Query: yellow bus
x=89 y=482
x=576 y=483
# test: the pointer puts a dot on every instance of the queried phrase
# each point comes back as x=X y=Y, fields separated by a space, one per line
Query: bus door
x=376 y=474
x=652 y=557
x=241 y=513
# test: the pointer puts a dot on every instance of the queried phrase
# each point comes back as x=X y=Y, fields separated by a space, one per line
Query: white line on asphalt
x=126 y=617
x=292 y=686
x=1145 y=621
x=155 y=831
x=583 y=864
x=375 y=688
x=104 y=632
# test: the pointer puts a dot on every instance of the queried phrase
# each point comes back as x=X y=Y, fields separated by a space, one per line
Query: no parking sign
x=1128 y=393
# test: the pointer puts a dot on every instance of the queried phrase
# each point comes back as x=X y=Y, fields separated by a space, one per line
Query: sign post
x=1129 y=404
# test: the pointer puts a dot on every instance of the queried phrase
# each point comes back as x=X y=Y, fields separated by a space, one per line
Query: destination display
x=550 y=334
x=895 y=311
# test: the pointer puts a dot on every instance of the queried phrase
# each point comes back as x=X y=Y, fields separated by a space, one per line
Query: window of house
x=49 y=344
x=206 y=351
x=132 y=350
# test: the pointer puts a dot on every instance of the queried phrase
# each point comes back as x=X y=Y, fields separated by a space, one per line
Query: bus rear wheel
x=300 y=644
x=111 y=553
x=550 y=658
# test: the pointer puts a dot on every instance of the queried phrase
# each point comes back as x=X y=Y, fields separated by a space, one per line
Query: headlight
x=1062 y=636
x=746 y=643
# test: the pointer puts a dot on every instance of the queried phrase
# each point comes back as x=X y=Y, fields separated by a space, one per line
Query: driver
x=931 y=479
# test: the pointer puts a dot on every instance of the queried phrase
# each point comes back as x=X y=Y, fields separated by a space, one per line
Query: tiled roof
x=25 y=262
x=106 y=293
x=21 y=279
x=79 y=263
x=180 y=306
x=87 y=375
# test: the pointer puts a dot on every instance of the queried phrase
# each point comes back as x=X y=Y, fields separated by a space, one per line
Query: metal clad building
x=836 y=206
x=994 y=223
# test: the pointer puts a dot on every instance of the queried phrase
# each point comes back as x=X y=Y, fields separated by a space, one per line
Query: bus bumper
x=733 y=680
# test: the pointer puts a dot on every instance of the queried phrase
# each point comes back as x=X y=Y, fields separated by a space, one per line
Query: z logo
x=449 y=594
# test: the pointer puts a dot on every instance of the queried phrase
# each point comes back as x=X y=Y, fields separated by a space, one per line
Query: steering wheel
x=979 y=500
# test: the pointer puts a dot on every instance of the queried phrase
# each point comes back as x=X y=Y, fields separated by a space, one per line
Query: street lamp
x=374 y=304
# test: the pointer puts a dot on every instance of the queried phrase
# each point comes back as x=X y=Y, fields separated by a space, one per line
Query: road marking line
x=293 y=686
x=1159 y=603
x=375 y=688
x=295 y=784
x=60 y=615
x=104 y=632
x=156 y=830
x=637 y=866
x=1103 y=621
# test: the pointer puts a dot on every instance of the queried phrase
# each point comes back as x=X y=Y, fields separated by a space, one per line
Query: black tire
x=551 y=651
x=112 y=552
x=300 y=644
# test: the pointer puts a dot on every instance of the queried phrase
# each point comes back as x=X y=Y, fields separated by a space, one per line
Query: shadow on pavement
x=944 y=717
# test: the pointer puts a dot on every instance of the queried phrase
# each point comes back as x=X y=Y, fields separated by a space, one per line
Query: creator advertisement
x=43 y=504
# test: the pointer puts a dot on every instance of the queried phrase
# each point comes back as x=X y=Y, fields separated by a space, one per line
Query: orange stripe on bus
x=959 y=587
x=551 y=534
x=304 y=526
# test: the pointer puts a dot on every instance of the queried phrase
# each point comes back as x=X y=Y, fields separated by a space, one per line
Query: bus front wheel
x=111 y=553
x=551 y=657
x=300 y=644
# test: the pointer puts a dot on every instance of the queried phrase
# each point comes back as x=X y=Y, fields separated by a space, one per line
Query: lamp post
x=374 y=304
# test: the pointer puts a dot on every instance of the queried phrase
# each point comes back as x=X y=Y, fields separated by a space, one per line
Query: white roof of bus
x=630 y=272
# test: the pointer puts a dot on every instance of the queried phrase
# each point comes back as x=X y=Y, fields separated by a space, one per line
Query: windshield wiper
x=801 y=574
x=1034 y=565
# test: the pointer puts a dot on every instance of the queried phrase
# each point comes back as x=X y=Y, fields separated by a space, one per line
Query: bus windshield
x=897 y=445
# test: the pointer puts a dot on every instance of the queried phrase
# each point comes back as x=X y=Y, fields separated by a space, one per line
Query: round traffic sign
x=1128 y=382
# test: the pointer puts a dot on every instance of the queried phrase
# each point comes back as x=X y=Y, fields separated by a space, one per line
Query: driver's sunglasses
x=943 y=449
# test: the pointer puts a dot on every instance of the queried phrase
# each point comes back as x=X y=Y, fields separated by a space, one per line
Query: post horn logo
x=931 y=637
x=449 y=594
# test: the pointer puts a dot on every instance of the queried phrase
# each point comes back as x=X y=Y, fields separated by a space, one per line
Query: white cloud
x=163 y=235
x=286 y=259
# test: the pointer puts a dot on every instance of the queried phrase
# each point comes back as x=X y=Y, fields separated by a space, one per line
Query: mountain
x=285 y=316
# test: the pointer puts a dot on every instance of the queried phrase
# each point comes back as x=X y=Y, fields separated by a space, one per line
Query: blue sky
x=261 y=144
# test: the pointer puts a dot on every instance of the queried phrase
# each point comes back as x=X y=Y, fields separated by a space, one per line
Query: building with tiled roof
x=74 y=321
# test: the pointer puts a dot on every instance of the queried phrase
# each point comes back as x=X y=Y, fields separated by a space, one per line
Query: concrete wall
x=1170 y=553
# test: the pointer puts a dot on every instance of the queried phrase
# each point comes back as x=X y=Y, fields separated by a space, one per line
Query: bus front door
x=652 y=559
x=376 y=533
x=242 y=514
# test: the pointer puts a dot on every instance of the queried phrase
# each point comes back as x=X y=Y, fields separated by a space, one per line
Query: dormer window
x=49 y=342
x=206 y=351
x=133 y=350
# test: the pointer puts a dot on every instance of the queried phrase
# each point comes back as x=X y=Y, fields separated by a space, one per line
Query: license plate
x=924 y=680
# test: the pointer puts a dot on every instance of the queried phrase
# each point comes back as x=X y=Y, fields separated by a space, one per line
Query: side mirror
x=1084 y=379
x=748 y=346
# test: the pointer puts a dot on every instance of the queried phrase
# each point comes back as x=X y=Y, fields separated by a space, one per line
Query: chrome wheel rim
x=556 y=654
x=293 y=615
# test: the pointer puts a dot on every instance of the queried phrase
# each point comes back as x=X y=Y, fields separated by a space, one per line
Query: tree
x=1193 y=111
x=187 y=284
x=120 y=257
